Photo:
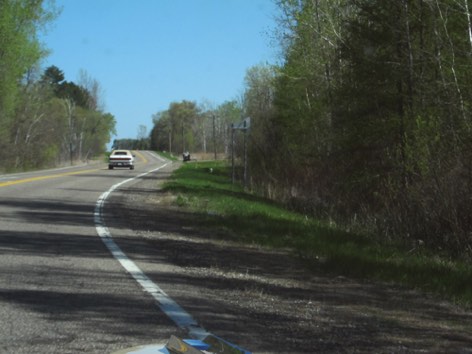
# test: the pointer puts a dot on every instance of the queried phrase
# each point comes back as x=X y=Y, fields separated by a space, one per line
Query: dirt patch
x=267 y=302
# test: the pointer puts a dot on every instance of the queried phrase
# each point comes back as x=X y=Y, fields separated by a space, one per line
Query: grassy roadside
x=168 y=156
x=229 y=212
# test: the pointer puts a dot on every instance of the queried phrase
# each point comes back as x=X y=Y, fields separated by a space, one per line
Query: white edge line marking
x=173 y=310
x=156 y=156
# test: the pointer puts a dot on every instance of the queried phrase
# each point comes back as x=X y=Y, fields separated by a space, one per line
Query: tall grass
x=205 y=188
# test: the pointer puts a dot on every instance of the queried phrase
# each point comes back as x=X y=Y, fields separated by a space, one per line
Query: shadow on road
x=265 y=300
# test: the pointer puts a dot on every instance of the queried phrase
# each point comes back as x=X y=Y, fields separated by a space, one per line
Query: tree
x=161 y=133
x=371 y=115
x=47 y=121
x=200 y=127
x=178 y=124
x=143 y=141
x=227 y=113
x=94 y=90
x=29 y=125
x=264 y=147
x=53 y=77
x=20 y=20
x=79 y=95
x=292 y=107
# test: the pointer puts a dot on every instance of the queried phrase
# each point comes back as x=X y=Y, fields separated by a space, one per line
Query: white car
x=121 y=158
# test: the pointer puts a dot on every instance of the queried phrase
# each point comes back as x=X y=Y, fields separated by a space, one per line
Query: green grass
x=167 y=155
x=106 y=157
x=230 y=213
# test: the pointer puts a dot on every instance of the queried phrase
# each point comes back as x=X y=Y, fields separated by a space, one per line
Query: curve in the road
x=173 y=310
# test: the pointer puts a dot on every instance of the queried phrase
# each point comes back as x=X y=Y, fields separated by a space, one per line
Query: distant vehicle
x=121 y=158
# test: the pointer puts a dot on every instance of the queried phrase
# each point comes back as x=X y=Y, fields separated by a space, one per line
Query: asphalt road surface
x=61 y=289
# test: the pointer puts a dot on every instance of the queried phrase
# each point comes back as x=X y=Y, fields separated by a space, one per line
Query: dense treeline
x=187 y=126
x=44 y=120
x=131 y=144
x=368 y=119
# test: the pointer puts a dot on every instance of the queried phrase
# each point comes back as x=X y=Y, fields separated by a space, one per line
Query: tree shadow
x=267 y=301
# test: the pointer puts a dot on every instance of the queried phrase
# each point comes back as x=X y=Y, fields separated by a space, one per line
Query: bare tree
x=94 y=89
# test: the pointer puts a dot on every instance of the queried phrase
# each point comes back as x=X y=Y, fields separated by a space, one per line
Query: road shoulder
x=265 y=300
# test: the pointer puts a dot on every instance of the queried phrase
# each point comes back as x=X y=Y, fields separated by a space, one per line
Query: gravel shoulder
x=265 y=300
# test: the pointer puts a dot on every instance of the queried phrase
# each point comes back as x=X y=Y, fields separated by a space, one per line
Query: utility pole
x=183 y=139
x=232 y=153
x=244 y=126
x=214 y=134
x=245 y=155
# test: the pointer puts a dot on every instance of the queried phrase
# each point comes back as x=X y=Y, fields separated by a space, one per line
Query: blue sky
x=148 y=53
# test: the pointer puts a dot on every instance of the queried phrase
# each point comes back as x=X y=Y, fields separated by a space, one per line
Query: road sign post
x=244 y=125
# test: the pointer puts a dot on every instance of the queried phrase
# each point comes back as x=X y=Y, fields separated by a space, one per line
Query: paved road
x=61 y=291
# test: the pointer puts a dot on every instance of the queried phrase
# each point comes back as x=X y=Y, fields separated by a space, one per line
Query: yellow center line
x=39 y=178
x=141 y=156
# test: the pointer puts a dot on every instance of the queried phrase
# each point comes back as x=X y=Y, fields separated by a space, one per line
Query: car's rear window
x=120 y=153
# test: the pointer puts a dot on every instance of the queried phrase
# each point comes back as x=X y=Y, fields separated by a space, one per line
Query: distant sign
x=243 y=125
